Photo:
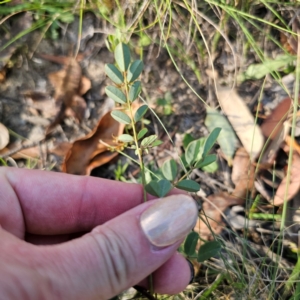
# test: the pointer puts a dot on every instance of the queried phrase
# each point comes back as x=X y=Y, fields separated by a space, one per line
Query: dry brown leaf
x=269 y=155
x=4 y=136
x=243 y=174
x=240 y=117
x=40 y=102
x=88 y=153
x=294 y=184
x=288 y=41
x=272 y=125
x=69 y=85
x=212 y=209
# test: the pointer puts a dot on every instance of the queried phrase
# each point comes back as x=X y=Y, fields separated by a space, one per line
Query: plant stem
x=138 y=150
x=142 y=166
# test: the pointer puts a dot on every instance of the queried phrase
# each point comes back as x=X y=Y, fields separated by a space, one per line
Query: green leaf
x=116 y=94
x=114 y=74
x=227 y=138
x=140 y=112
x=190 y=243
x=148 y=140
x=208 y=250
x=188 y=138
x=134 y=91
x=66 y=17
x=126 y=138
x=120 y=117
x=158 y=188
x=194 y=151
x=258 y=71
x=135 y=70
x=212 y=168
x=207 y=160
x=169 y=169
x=142 y=133
x=156 y=143
x=122 y=56
x=188 y=185
x=210 y=140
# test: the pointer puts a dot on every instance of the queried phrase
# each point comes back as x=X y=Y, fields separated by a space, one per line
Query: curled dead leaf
x=69 y=85
x=294 y=184
x=272 y=125
x=4 y=136
x=243 y=174
x=88 y=153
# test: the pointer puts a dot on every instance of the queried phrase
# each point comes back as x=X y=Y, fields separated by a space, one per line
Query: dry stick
x=20 y=148
x=210 y=181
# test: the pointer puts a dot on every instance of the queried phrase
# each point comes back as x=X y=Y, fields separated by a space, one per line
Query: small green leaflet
x=114 y=74
x=120 y=117
x=207 y=160
x=122 y=56
x=227 y=138
x=134 y=90
x=169 y=169
x=126 y=138
x=156 y=143
x=188 y=138
x=194 y=151
x=140 y=112
x=115 y=94
x=212 y=168
x=135 y=70
x=190 y=243
x=158 y=188
x=210 y=140
x=142 y=133
x=188 y=185
x=148 y=140
x=258 y=71
x=209 y=250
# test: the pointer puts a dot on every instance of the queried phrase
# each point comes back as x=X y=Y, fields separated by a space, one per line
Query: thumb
x=123 y=251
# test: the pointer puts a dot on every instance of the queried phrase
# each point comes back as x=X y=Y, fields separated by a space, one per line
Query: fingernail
x=169 y=220
x=192 y=271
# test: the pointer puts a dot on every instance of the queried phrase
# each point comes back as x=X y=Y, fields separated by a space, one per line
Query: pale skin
x=73 y=237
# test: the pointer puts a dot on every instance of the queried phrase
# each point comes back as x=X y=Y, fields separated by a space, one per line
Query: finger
x=172 y=277
x=56 y=203
x=123 y=251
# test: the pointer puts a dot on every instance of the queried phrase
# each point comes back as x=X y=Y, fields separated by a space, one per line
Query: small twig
x=19 y=148
x=210 y=181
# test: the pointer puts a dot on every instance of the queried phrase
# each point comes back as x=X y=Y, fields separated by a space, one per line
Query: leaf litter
x=92 y=151
x=69 y=85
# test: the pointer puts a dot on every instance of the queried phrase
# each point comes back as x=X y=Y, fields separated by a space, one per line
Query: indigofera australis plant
x=125 y=92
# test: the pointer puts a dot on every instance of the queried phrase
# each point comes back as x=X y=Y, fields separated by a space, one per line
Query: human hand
x=41 y=213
